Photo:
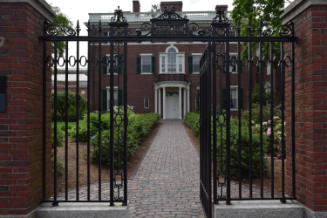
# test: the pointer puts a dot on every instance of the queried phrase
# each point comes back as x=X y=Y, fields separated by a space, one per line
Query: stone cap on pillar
x=39 y=5
x=297 y=7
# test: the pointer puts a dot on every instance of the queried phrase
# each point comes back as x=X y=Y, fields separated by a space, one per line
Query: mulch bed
x=133 y=163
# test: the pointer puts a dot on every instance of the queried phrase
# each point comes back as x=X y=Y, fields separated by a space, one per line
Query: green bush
x=192 y=121
x=60 y=135
x=61 y=104
x=139 y=126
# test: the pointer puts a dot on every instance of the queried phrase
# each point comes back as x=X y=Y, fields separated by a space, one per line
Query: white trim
x=148 y=103
x=172 y=46
x=172 y=84
x=108 y=71
x=146 y=55
x=178 y=54
x=116 y=88
x=233 y=54
x=233 y=87
x=164 y=103
x=196 y=54
x=155 y=99
x=180 y=103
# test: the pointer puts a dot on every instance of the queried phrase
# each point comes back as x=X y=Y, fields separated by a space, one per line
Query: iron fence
x=223 y=167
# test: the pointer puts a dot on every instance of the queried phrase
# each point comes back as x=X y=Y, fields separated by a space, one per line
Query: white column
x=184 y=105
x=156 y=99
x=188 y=98
x=159 y=101
x=180 y=102
x=164 y=103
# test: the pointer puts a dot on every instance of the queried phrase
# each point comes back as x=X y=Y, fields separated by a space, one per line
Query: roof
x=146 y=16
x=71 y=77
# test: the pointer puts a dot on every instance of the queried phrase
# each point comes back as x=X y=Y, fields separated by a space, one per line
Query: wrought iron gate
x=232 y=145
x=221 y=162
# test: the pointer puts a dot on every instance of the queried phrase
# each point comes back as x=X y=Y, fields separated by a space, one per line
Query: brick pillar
x=21 y=25
x=310 y=20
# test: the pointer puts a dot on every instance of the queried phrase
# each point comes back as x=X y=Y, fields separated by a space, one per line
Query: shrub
x=60 y=135
x=192 y=120
x=139 y=126
x=61 y=104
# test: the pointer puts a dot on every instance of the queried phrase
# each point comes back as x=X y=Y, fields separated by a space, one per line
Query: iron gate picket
x=216 y=170
x=220 y=162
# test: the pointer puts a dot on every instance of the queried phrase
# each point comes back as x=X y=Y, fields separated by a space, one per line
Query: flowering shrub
x=192 y=120
x=276 y=126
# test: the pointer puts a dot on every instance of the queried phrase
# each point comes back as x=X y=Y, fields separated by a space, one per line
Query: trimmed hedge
x=139 y=127
x=192 y=121
x=61 y=104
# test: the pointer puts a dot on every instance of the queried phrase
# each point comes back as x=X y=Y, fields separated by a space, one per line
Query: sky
x=78 y=10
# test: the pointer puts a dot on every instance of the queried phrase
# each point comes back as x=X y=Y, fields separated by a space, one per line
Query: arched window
x=172 y=61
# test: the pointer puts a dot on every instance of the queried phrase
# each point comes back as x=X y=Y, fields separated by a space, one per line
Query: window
x=233 y=63
x=233 y=97
x=116 y=64
x=146 y=103
x=163 y=64
x=171 y=61
x=116 y=97
x=146 y=66
x=196 y=63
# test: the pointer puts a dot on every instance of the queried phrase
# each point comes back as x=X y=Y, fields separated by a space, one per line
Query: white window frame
x=230 y=55
x=146 y=54
x=108 y=66
x=116 y=90
x=196 y=54
x=178 y=56
x=234 y=87
x=148 y=106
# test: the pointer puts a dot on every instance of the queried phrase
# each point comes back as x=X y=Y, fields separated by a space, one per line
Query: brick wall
x=21 y=126
x=311 y=107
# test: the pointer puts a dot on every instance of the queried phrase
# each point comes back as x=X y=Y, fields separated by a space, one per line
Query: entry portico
x=172 y=99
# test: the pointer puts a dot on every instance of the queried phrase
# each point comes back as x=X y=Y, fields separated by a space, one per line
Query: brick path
x=167 y=181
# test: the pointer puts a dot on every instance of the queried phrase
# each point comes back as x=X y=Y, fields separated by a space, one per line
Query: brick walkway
x=167 y=181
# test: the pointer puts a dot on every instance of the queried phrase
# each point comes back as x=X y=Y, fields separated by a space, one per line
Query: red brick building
x=72 y=78
x=163 y=77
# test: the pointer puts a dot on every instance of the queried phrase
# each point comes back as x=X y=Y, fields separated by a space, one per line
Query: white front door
x=172 y=106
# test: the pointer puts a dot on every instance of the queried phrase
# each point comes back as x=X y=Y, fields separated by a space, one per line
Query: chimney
x=136 y=6
x=176 y=5
x=222 y=8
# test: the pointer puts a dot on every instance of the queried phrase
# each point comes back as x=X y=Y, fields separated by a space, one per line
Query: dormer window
x=172 y=61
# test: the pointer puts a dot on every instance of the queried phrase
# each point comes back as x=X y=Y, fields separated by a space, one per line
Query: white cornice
x=40 y=5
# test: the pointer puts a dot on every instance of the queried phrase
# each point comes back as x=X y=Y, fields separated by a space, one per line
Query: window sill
x=173 y=73
x=108 y=74
x=146 y=73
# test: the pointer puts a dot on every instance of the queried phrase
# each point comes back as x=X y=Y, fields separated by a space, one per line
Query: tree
x=62 y=24
x=253 y=12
